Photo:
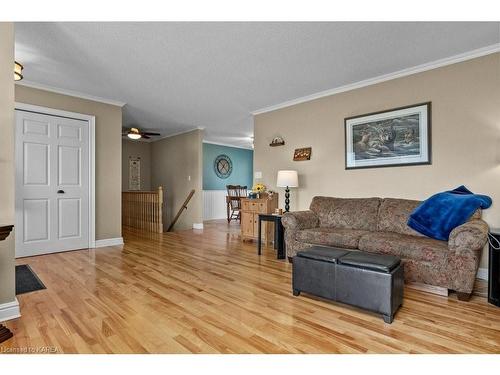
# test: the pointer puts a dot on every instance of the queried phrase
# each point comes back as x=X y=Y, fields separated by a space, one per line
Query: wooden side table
x=250 y=210
x=5 y=333
x=279 y=234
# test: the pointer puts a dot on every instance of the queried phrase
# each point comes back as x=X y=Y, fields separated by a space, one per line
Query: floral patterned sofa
x=378 y=225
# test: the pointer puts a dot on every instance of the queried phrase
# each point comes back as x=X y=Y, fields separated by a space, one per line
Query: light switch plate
x=258 y=175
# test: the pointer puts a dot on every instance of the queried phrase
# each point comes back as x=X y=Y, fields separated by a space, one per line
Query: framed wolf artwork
x=396 y=137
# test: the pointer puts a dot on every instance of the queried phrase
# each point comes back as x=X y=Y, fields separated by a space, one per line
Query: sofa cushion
x=393 y=216
x=352 y=213
x=346 y=238
x=405 y=246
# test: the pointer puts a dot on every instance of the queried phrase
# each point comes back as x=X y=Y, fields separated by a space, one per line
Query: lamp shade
x=287 y=178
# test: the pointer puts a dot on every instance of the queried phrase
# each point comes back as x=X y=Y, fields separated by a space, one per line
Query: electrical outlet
x=258 y=174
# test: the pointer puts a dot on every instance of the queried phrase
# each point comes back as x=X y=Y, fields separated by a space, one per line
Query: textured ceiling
x=178 y=76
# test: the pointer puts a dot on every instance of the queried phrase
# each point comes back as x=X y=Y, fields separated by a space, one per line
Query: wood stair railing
x=184 y=207
x=143 y=210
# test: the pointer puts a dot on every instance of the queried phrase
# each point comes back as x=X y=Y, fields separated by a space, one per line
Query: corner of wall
x=167 y=155
x=7 y=215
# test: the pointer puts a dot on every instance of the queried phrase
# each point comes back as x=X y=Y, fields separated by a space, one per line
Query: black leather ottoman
x=370 y=281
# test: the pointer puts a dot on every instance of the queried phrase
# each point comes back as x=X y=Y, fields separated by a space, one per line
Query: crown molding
x=386 y=77
x=228 y=145
x=178 y=133
x=75 y=94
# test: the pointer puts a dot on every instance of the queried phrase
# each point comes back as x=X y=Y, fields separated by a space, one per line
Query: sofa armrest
x=470 y=236
x=300 y=220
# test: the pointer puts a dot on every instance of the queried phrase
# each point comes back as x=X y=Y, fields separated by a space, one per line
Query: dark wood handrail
x=5 y=231
x=184 y=207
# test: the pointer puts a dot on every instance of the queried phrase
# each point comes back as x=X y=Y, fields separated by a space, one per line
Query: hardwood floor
x=207 y=292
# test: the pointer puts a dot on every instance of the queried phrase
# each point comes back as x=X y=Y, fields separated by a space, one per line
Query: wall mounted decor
x=223 y=166
x=396 y=137
x=134 y=174
x=277 y=141
x=302 y=154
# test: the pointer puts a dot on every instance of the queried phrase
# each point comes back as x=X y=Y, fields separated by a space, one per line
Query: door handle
x=60 y=192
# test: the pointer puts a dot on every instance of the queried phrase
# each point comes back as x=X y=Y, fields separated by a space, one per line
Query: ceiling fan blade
x=149 y=133
x=145 y=136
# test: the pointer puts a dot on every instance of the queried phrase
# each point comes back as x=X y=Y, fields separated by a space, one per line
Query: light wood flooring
x=207 y=292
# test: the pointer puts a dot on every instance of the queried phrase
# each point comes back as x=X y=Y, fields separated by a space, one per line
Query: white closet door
x=52 y=184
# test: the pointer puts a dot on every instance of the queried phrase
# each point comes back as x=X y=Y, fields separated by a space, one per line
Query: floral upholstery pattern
x=405 y=246
x=300 y=220
x=292 y=245
x=465 y=244
x=427 y=273
x=462 y=270
x=379 y=226
x=351 y=213
x=338 y=237
x=393 y=216
x=471 y=235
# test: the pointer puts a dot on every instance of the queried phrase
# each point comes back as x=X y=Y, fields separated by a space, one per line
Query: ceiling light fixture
x=18 y=70
x=134 y=133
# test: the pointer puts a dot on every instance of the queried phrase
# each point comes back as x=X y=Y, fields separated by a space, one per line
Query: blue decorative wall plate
x=223 y=166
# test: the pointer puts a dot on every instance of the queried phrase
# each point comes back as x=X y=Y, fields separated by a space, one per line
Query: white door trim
x=91 y=121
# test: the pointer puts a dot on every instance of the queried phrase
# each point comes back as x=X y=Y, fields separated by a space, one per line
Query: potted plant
x=259 y=189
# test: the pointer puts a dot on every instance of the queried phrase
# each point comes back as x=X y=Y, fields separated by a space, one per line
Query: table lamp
x=287 y=179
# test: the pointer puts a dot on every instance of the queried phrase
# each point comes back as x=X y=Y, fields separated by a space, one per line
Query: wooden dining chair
x=234 y=195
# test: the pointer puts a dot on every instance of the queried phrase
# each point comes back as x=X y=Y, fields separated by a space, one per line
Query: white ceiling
x=179 y=76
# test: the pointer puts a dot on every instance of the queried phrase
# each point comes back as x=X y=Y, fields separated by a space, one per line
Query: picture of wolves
x=386 y=138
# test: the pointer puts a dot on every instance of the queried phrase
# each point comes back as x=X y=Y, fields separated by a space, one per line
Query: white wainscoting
x=214 y=204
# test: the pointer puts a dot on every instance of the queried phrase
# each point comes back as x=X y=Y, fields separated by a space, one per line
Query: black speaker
x=494 y=268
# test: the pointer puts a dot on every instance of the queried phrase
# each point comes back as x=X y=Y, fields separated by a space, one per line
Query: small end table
x=494 y=270
x=5 y=333
x=279 y=234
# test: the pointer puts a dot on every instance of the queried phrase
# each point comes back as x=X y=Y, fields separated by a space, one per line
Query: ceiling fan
x=135 y=133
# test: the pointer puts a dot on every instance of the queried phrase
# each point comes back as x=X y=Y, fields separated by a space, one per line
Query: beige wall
x=465 y=138
x=108 y=147
x=7 y=287
x=136 y=149
x=177 y=167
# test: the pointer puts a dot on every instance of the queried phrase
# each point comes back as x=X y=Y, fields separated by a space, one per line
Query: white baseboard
x=482 y=274
x=9 y=310
x=109 y=242
x=197 y=225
